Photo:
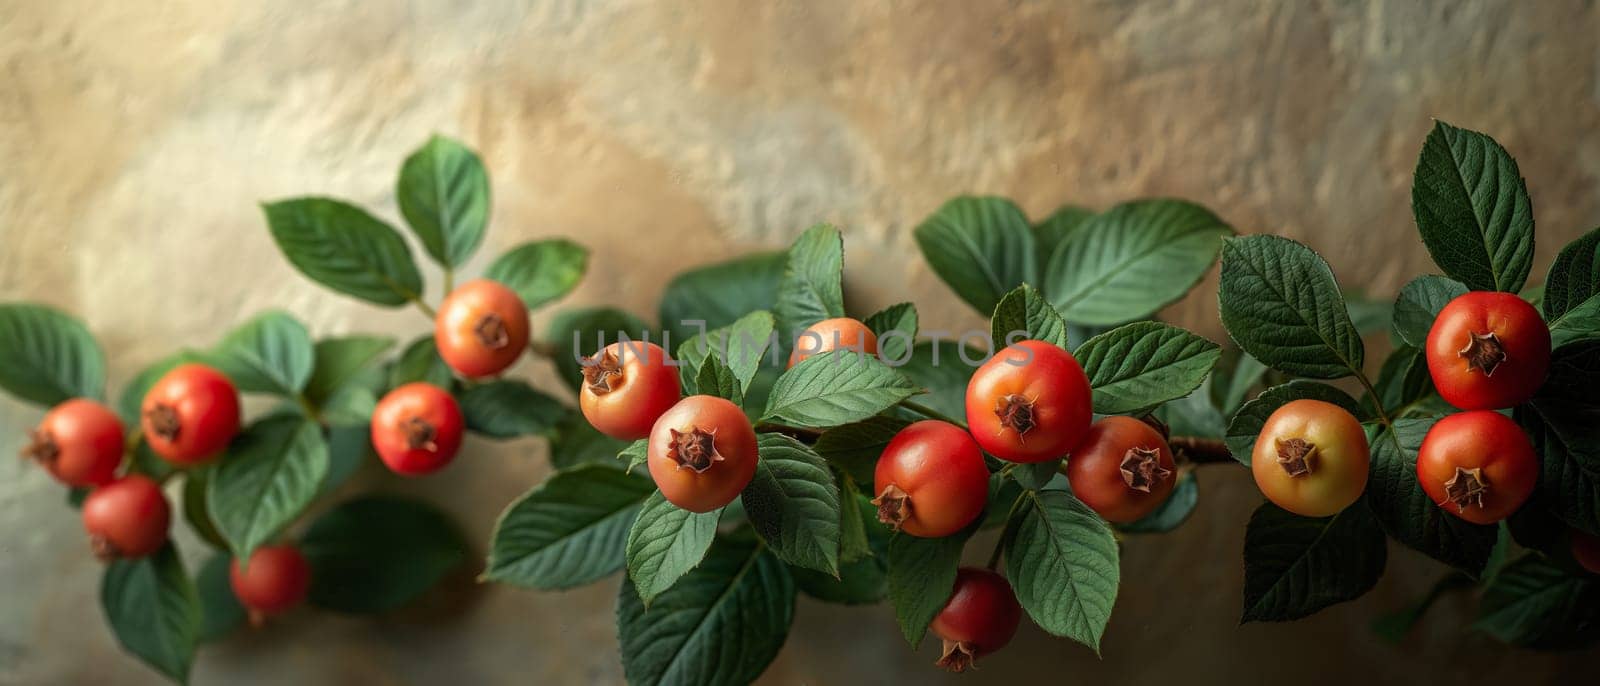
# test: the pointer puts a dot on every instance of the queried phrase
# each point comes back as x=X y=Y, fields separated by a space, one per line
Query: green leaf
x=1534 y=603
x=1472 y=209
x=220 y=611
x=1567 y=440
x=854 y=511
x=1580 y=323
x=1063 y=564
x=1247 y=372
x=1295 y=566
x=982 y=247
x=922 y=573
x=569 y=531
x=574 y=443
x=1132 y=260
x=721 y=626
x=340 y=360
x=271 y=353
x=444 y=194
x=1574 y=277
x=1370 y=315
x=1037 y=475
x=834 y=388
x=1136 y=367
x=1025 y=310
x=342 y=247
x=741 y=346
x=420 y=361
x=717 y=379
x=1403 y=382
x=1419 y=302
x=793 y=504
x=635 y=454
x=1394 y=626
x=664 y=543
x=1050 y=234
x=1247 y=423
x=507 y=409
x=49 y=356
x=377 y=553
x=1281 y=304
x=1194 y=414
x=154 y=610
x=540 y=271
x=941 y=367
x=811 y=290
x=269 y=475
x=1408 y=514
x=863 y=577
x=348 y=448
x=896 y=329
x=1172 y=512
x=195 y=482
x=721 y=293
x=855 y=448
x=583 y=332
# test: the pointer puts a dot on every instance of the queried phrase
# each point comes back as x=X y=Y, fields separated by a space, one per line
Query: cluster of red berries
x=1031 y=403
x=188 y=417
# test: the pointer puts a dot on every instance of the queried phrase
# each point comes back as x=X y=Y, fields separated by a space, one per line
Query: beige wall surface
x=137 y=138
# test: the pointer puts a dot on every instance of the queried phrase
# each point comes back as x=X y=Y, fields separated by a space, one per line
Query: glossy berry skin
x=1478 y=466
x=190 y=414
x=416 y=429
x=79 y=442
x=1488 y=351
x=127 y=518
x=1029 y=403
x=840 y=333
x=980 y=618
x=931 y=480
x=1586 y=550
x=626 y=387
x=481 y=328
x=702 y=453
x=276 y=579
x=1123 y=470
x=1311 y=458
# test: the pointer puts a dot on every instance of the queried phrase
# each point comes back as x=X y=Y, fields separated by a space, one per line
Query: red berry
x=1488 y=351
x=1311 y=458
x=190 y=414
x=275 y=579
x=80 y=442
x=1478 y=466
x=626 y=387
x=702 y=453
x=980 y=618
x=1030 y=403
x=126 y=518
x=841 y=333
x=416 y=429
x=1122 y=470
x=931 y=480
x=481 y=328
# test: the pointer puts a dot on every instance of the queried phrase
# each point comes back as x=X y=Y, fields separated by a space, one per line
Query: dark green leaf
x=1574 y=277
x=1419 y=302
x=575 y=443
x=378 y=553
x=1131 y=260
x=1136 y=367
x=342 y=247
x=194 y=506
x=1281 y=304
x=721 y=626
x=896 y=329
x=1472 y=209
x=1534 y=603
x=1403 y=381
x=1247 y=423
x=1246 y=373
x=741 y=346
x=1063 y=564
x=1566 y=437
x=664 y=543
x=854 y=513
x=569 y=531
x=1024 y=314
x=811 y=290
x=49 y=357
x=1173 y=512
x=1370 y=315
x=444 y=194
x=834 y=388
x=1050 y=234
x=540 y=271
x=1193 y=414
x=922 y=572
x=863 y=578
x=1581 y=323
x=982 y=247
x=1295 y=566
x=721 y=293
x=348 y=448
x=583 y=332
x=154 y=610
x=341 y=359
x=271 y=353
x=855 y=448
x=717 y=379
x=943 y=368
x=1408 y=514
x=793 y=504
x=269 y=475
x=421 y=362
x=220 y=611
x=1036 y=475
x=506 y=409
x=635 y=454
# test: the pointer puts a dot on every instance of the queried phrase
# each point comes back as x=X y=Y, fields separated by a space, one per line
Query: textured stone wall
x=137 y=139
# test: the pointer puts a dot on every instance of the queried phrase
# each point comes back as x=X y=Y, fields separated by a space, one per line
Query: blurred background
x=138 y=138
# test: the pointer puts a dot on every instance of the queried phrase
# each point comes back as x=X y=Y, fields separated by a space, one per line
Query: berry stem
x=1376 y=403
x=543 y=349
x=1201 y=450
x=931 y=413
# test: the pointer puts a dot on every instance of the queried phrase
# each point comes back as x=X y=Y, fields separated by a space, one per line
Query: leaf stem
x=449 y=279
x=307 y=407
x=1377 y=403
x=931 y=413
x=424 y=307
x=542 y=349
